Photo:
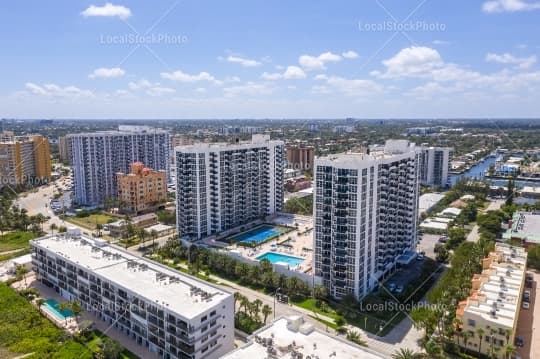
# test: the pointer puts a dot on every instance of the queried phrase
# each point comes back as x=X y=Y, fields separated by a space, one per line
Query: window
x=204 y=318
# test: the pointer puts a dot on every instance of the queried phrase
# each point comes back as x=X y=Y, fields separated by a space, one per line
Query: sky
x=169 y=59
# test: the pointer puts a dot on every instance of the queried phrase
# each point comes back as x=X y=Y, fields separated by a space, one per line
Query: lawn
x=11 y=255
x=24 y=330
x=94 y=341
x=378 y=313
x=15 y=240
x=91 y=220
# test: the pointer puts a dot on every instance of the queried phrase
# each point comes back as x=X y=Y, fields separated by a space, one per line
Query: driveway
x=528 y=326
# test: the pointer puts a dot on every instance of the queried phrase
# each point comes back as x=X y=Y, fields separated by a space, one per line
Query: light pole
x=275 y=294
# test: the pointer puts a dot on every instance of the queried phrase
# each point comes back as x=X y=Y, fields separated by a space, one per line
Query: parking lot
x=528 y=326
x=427 y=244
x=398 y=282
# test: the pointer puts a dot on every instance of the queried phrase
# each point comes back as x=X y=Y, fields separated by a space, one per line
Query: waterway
x=479 y=170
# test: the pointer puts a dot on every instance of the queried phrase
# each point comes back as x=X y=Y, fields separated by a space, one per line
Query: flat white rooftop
x=166 y=287
x=291 y=335
x=428 y=200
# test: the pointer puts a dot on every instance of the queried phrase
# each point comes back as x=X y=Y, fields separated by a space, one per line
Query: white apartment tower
x=170 y=313
x=365 y=211
x=434 y=166
x=223 y=185
x=96 y=158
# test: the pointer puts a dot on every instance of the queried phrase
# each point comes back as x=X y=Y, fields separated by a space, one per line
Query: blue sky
x=269 y=59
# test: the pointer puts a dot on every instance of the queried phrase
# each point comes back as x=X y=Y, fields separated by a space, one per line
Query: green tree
x=109 y=349
x=355 y=337
x=480 y=333
x=266 y=311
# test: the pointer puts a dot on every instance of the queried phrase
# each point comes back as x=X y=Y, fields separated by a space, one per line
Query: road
x=528 y=326
x=38 y=202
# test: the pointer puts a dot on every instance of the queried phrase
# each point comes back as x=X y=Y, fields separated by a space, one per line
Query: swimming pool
x=53 y=306
x=273 y=258
x=259 y=234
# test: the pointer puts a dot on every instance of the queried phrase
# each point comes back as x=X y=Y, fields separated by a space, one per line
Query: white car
x=525 y=305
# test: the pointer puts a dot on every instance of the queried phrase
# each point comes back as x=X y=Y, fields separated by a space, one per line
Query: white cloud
x=104 y=72
x=498 y=6
x=141 y=84
x=506 y=58
x=319 y=90
x=248 y=89
x=107 y=10
x=291 y=73
x=294 y=72
x=318 y=62
x=430 y=90
x=271 y=76
x=350 y=54
x=244 y=62
x=53 y=90
x=159 y=91
x=411 y=62
x=200 y=90
x=184 y=77
x=350 y=87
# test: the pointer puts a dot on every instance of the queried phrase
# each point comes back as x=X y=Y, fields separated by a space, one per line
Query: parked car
x=525 y=305
x=391 y=287
x=420 y=257
x=519 y=342
x=399 y=289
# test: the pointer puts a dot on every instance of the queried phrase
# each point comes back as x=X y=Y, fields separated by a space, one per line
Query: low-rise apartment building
x=292 y=337
x=170 y=313
x=141 y=190
x=494 y=301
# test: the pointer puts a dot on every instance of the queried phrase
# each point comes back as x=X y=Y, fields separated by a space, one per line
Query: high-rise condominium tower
x=97 y=157
x=365 y=211
x=434 y=166
x=24 y=159
x=224 y=185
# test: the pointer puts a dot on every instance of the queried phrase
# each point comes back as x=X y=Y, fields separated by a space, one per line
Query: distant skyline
x=279 y=59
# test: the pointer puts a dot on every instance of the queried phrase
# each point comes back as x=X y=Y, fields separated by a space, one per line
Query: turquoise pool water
x=283 y=258
x=258 y=234
x=53 y=307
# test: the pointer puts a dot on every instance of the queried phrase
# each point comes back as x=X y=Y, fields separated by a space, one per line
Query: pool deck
x=298 y=241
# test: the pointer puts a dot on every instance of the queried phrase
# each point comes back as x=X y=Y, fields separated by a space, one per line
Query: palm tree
x=508 y=334
x=266 y=311
x=403 y=353
x=257 y=303
x=480 y=332
x=509 y=350
x=99 y=227
x=76 y=308
x=154 y=235
x=21 y=273
x=355 y=337
x=40 y=219
x=466 y=335
x=244 y=302
x=237 y=298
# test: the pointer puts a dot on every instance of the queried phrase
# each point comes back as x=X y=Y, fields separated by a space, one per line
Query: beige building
x=24 y=159
x=64 y=149
x=494 y=301
x=142 y=190
x=300 y=157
